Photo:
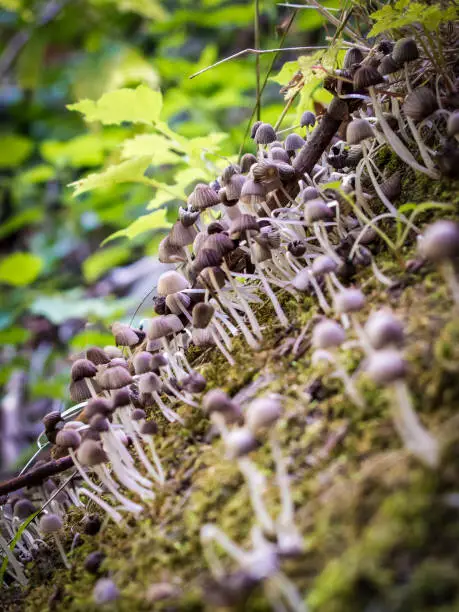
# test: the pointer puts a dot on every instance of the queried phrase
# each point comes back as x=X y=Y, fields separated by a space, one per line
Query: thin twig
x=36 y=476
x=304 y=6
x=257 y=57
x=258 y=52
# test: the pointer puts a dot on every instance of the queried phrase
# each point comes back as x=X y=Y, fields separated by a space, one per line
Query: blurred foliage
x=96 y=94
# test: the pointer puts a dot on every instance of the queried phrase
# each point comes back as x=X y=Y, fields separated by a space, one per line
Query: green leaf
x=140 y=105
x=88 y=338
x=20 y=269
x=74 y=304
x=38 y=174
x=25 y=217
x=84 y=150
x=154 y=221
x=286 y=73
x=14 y=150
x=101 y=261
x=14 y=335
x=154 y=145
x=151 y=9
x=129 y=171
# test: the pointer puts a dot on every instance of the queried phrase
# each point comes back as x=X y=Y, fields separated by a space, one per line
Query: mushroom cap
x=328 y=334
x=113 y=352
x=203 y=197
x=452 y=127
x=175 y=302
x=202 y=315
x=440 y=241
x=323 y=264
x=262 y=413
x=265 y=134
x=105 y=591
x=181 y=235
x=405 y=50
x=254 y=128
x=349 y=300
x=68 y=438
x=317 y=210
x=386 y=366
x=51 y=419
x=171 y=282
x=308 y=119
x=388 y=65
x=352 y=57
x=99 y=423
x=149 y=383
x=138 y=414
x=23 y=508
x=91 y=453
x=142 y=362
x=293 y=142
x=83 y=368
x=240 y=442
x=170 y=253
x=115 y=378
x=97 y=405
x=247 y=162
x=383 y=329
x=420 y=103
x=234 y=187
x=194 y=383
x=50 y=523
x=97 y=355
x=358 y=130
x=79 y=391
x=367 y=76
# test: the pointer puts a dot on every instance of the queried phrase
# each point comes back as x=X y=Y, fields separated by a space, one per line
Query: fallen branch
x=37 y=475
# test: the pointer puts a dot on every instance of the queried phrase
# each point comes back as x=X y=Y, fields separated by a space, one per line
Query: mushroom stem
x=112 y=513
x=221 y=347
x=61 y=550
x=415 y=437
x=449 y=274
x=256 y=483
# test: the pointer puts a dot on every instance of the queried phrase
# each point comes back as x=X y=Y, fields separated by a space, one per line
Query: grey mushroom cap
x=386 y=366
x=440 y=241
x=50 y=523
x=383 y=329
x=328 y=334
x=105 y=591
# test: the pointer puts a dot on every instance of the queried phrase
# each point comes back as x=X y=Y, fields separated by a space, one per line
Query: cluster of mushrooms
x=259 y=231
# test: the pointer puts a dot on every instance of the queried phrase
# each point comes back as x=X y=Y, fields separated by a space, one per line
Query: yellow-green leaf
x=102 y=261
x=20 y=269
x=14 y=150
x=140 y=105
x=156 y=146
x=128 y=171
x=154 y=221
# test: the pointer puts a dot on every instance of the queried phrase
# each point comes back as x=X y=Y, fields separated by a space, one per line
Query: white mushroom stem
x=220 y=330
x=221 y=347
x=83 y=473
x=179 y=395
x=211 y=534
x=395 y=142
x=91 y=387
x=154 y=473
x=256 y=483
x=104 y=476
x=349 y=388
x=249 y=312
x=111 y=512
x=151 y=445
x=449 y=274
x=61 y=550
x=168 y=413
x=415 y=437
x=250 y=339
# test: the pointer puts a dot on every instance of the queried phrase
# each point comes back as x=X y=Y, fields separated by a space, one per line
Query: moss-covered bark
x=380 y=531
